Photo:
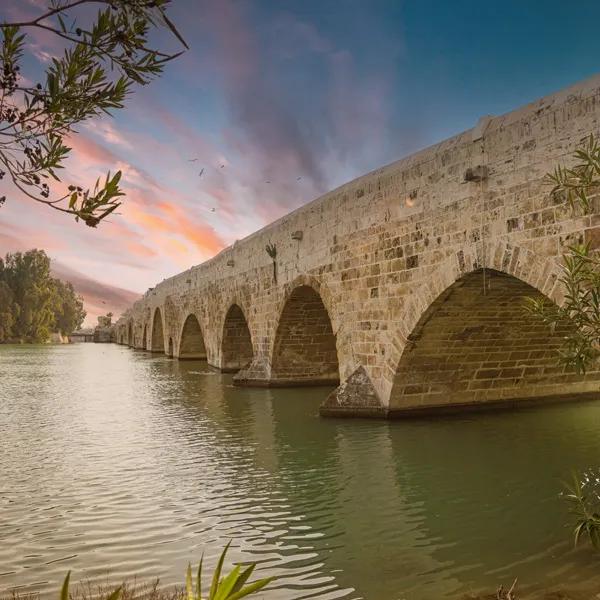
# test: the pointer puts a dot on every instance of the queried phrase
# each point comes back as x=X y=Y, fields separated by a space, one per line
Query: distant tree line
x=33 y=304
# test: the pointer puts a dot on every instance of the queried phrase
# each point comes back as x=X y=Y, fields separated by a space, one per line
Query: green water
x=123 y=462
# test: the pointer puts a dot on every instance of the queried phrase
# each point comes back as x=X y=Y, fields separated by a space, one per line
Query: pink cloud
x=99 y=298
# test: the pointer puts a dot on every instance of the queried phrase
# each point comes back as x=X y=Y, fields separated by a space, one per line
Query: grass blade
x=188 y=582
x=199 y=579
x=64 y=592
x=250 y=589
x=217 y=573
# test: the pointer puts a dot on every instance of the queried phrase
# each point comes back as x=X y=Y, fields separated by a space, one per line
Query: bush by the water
x=584 y=496
x=33 y=304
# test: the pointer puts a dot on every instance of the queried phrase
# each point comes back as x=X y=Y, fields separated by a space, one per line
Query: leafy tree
x=32 y=303
x=579 y=186
x=68 y=310
x=28 y=276
x=9 y=311
x=97 y=71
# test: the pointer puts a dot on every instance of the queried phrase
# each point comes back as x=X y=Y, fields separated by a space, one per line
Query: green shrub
x=230 y=587
x=584 y=496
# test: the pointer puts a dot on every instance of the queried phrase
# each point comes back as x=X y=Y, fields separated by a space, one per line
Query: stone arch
x=305 y=279
x=304 y=349
x=157 y=343
x=236 y=344
x=541 y=274
x=170 y=348
x=191 y=340
x=474 y=345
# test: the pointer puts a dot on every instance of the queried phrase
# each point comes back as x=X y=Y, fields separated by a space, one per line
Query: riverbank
x=153 y=591
x=56 y=338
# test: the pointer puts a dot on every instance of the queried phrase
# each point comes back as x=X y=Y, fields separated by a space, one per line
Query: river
x=124 y=463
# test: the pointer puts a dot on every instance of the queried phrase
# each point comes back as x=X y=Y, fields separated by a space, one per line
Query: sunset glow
x=229 y=138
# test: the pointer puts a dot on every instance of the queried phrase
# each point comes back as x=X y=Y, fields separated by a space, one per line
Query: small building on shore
x=81 y=336
x=103 y=331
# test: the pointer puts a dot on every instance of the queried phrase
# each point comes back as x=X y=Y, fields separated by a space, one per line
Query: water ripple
x=116 y=462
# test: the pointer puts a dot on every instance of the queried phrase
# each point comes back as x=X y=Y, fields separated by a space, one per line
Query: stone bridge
x=403 y=288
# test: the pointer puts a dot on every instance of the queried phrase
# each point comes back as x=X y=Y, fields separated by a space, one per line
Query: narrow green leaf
x=64 y=593
x=217 y=573
x=174 y=30
x=251 y=588
x=116 y=594
x=188 y=583
x=245 y=575
x=199 y=579
x=227 y=584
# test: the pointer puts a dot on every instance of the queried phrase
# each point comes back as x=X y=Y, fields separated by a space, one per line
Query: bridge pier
x=355 y=397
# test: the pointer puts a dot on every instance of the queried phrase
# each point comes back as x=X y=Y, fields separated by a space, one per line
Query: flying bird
x=192 y=159
x=222 y=166
x=213 y=209
x=200 y=174
x=267 y=182
x=298 y=178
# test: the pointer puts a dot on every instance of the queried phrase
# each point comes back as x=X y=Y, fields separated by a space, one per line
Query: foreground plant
x=502 y=594
x=579 y=187
x=230 y=587
x=94 y=75
x=584 y=496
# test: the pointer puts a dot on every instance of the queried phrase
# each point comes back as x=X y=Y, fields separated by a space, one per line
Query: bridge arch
x=157 y=343
x=170 y=348
x=475 y=343
x=305 y=345
x=236 y=343
x=191 y=339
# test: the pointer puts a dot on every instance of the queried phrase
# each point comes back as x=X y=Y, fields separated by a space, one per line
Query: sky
x=275 y=103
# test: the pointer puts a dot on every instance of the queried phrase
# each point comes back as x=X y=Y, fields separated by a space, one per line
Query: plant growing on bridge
x=272 y=252
x=95 y=73
x=579 y=186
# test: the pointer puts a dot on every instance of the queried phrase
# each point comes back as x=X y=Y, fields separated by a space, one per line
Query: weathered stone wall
x=236 y=347
x=305 y=351
x=478 y=344
x=192 y=340
x=379 y=250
